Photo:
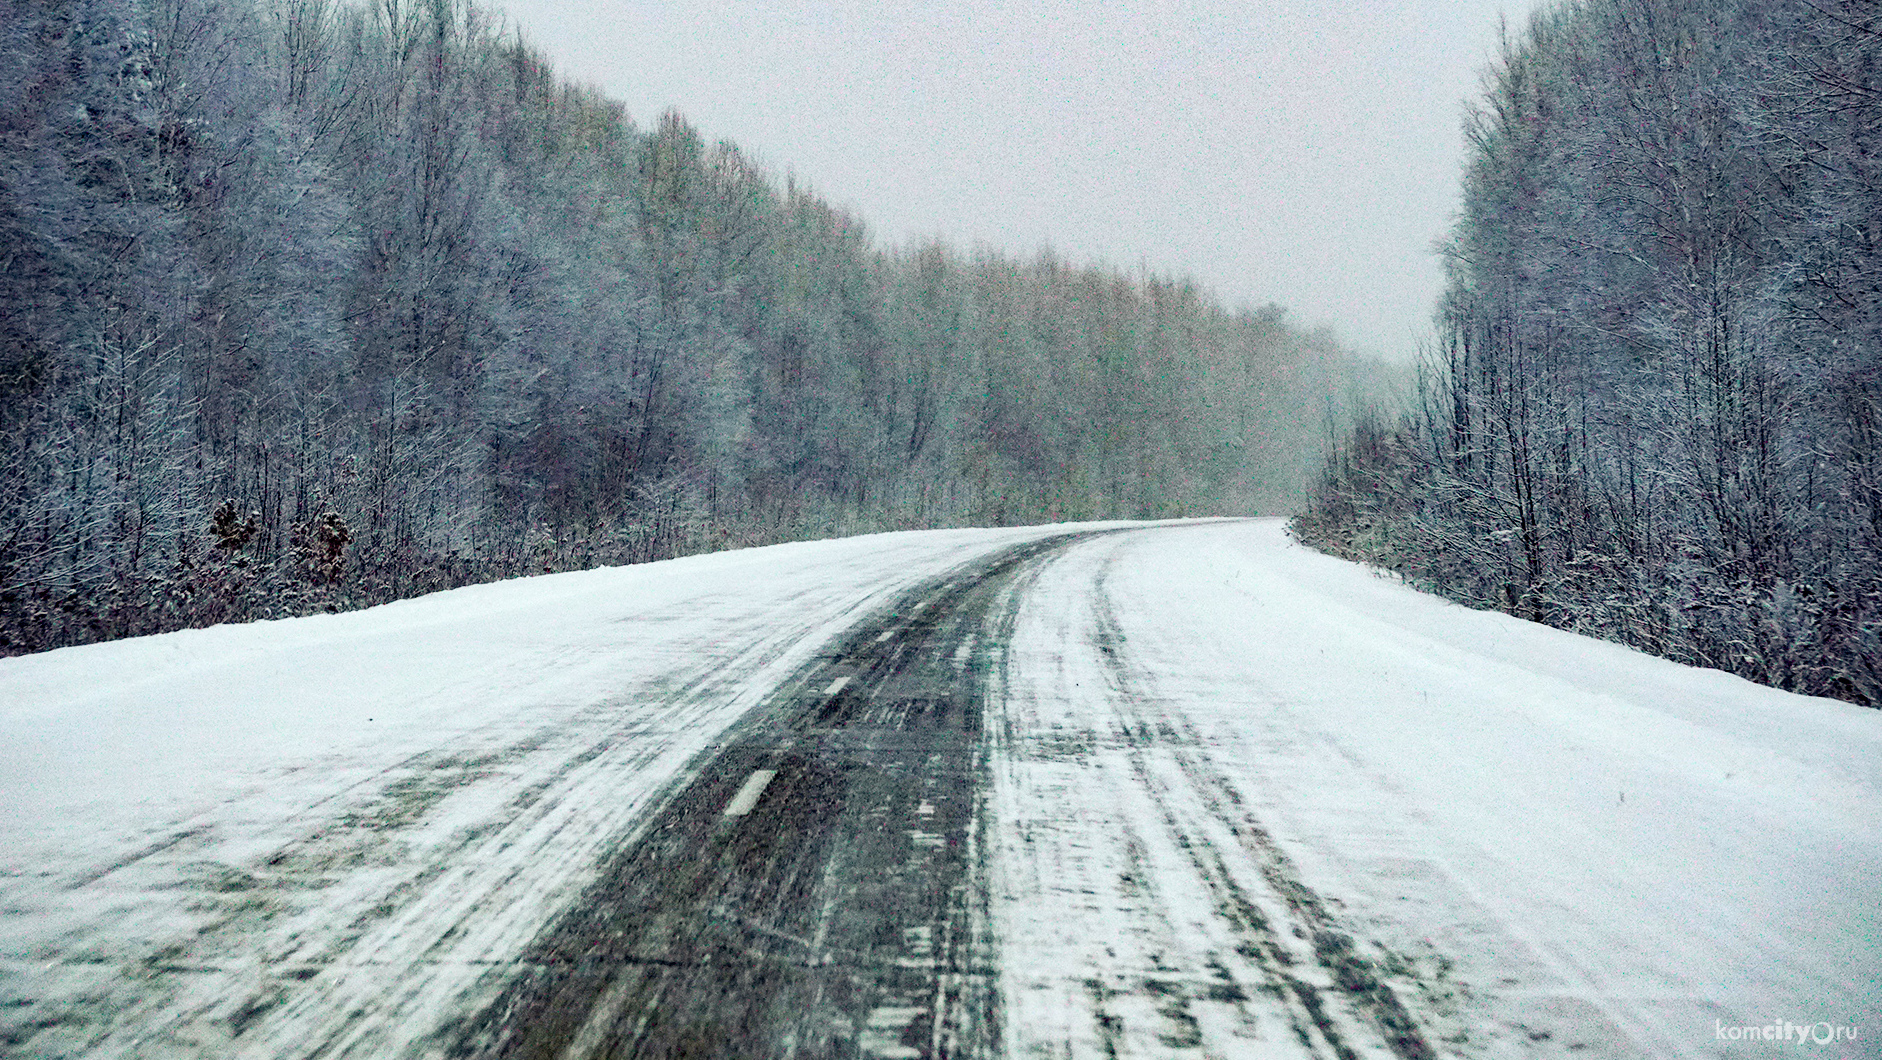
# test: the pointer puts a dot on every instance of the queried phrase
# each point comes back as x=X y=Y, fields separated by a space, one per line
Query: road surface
x=1182 y=790
x=818 y=889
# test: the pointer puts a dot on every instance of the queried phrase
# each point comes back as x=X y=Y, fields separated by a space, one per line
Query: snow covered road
x=1237 y=772
x=1224 y=797
x=333 y=836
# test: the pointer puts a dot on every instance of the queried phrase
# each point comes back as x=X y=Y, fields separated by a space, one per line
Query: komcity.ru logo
x=1821 y=1033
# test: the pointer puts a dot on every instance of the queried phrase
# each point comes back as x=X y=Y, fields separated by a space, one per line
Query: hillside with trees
x=307 y=305
x=1653 y=410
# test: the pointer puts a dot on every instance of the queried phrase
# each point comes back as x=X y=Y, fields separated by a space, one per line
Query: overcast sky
x=1275 y=150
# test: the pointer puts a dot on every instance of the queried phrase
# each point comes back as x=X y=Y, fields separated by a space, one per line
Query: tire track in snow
x=1344 y=993
x=1456 y=930
x=1209 y=943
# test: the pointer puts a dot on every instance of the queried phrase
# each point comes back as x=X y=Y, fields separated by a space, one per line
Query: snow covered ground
x=1228 y=774
x=1550 y=846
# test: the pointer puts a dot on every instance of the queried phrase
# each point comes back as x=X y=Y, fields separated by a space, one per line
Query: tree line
x=1653 y=409
x=308 y=305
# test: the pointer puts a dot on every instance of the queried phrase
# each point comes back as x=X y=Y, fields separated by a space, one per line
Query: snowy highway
x=1109 y=790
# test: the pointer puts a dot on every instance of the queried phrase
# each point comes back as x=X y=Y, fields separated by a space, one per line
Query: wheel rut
x=1294 y=949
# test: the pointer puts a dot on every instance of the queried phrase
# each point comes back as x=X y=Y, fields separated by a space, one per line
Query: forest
x=308 y=305
x=1652 y=410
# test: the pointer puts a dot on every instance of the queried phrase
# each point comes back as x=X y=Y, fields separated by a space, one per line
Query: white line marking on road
x=836 y=686
x=886 y=634
x=747 y=796
x=882 y=1036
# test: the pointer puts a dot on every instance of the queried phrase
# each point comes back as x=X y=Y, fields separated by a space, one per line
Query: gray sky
x=1274 y=150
